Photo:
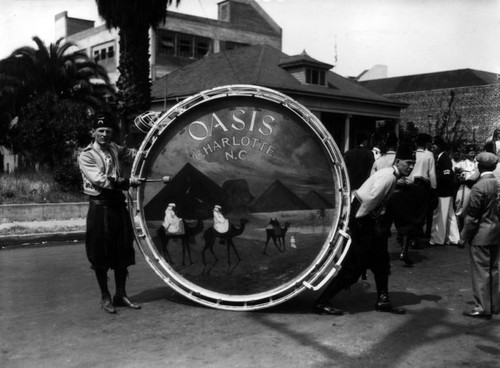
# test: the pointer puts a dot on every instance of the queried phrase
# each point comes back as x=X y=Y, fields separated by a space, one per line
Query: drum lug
x=335 y=267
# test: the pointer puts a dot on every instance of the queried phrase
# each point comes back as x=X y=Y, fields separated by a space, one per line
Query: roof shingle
x=431 y=81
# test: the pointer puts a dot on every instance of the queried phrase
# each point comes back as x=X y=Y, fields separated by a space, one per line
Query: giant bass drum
x=260 y=193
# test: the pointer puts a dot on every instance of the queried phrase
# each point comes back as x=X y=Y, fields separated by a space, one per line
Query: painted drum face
x=256 y=203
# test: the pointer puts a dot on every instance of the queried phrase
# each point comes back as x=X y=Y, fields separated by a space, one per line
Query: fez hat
x=487 y=160
x=438 y=141
x=405 y=152
x=103 y=121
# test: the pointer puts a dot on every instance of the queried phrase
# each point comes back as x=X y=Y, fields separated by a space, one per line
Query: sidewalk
x=18 y=233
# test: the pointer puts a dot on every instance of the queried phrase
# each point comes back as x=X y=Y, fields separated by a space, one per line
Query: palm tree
x=30 y=73
x=133 y=19
x=50 y=90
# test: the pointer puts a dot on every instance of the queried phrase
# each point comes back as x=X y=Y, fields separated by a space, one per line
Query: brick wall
x=476 y=106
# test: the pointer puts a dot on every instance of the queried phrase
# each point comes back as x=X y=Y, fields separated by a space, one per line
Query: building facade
x=468 y=98
x=181 y=39
x=242 y=46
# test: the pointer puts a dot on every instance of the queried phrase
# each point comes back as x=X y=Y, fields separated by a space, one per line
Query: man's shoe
x=123 y=301
x=327 y=309
x=477 y=314
x=108 y=306
x=384 y=305
x=406 y=259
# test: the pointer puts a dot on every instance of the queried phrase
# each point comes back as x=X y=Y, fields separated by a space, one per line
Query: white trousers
x=444 y=223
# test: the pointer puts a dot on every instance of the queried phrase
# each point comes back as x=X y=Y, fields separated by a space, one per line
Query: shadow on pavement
x=396 y=344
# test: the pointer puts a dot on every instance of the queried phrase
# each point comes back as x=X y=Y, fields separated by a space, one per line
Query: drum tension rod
x=164 y=180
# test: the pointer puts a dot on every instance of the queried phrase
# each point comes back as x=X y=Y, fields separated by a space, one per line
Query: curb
x=9 y=240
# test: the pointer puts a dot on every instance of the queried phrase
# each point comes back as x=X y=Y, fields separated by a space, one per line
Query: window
x=183 y=45
x=224 y=12
x=315 y=76
x=167 y=45
x=104 y=54
x=201 y=48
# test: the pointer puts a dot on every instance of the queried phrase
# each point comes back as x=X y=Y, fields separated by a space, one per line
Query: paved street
x=50 y=317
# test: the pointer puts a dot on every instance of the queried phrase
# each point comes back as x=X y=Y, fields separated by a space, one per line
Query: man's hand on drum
x=135 y=182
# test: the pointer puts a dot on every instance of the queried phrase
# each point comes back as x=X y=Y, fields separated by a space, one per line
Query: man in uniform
x=369 y=232
x=109 y=237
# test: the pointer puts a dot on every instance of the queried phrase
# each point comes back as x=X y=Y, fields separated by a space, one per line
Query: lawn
x=34 y=187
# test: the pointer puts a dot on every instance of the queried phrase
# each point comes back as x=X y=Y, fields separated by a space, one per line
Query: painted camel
x=210 y=235
x=189 y=231
x=277 y=233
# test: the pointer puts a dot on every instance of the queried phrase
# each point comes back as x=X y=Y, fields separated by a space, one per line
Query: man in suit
x=422 y=184
x=481 y=233
x=444 y=221
x=359 y=161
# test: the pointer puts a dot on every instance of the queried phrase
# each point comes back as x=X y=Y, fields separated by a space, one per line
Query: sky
x=408 y=36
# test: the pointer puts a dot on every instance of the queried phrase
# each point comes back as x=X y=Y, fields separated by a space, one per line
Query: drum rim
x=328 y=261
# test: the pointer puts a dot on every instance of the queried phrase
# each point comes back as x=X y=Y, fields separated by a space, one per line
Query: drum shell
x=261 y=156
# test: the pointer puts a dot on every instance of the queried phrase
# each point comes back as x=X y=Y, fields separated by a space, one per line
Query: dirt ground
x=50 y=317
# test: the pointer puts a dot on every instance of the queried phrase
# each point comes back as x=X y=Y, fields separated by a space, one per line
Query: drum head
x=246 y=198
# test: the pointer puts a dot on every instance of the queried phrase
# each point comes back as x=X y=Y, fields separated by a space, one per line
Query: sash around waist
x=113 y=200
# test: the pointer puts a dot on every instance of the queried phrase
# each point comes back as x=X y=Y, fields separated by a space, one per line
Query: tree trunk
x=134 y=85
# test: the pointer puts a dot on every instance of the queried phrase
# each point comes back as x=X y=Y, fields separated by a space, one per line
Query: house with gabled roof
x=342 y=105
x=468 y=97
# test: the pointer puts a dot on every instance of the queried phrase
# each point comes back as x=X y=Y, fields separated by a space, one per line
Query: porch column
x=152 y=53
x=347 y=132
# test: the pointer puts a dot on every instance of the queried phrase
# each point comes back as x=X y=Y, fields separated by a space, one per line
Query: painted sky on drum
x=409 y=36
x=299 y=159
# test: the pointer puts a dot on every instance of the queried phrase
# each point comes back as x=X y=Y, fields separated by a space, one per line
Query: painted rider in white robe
x=221 y=224
x=172 y=223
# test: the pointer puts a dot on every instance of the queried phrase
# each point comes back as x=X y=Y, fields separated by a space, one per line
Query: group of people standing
x=457 y=201
x=417 y=186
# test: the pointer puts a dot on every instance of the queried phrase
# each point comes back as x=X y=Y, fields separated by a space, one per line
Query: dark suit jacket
x=445 y=176
x=359 y=161
x=482 y=222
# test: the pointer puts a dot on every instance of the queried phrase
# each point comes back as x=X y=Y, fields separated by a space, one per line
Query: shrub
x=34 y=187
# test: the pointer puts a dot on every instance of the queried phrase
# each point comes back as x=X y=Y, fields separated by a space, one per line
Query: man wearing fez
x=482 y=233
x=369 y=228
x=109 y=236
